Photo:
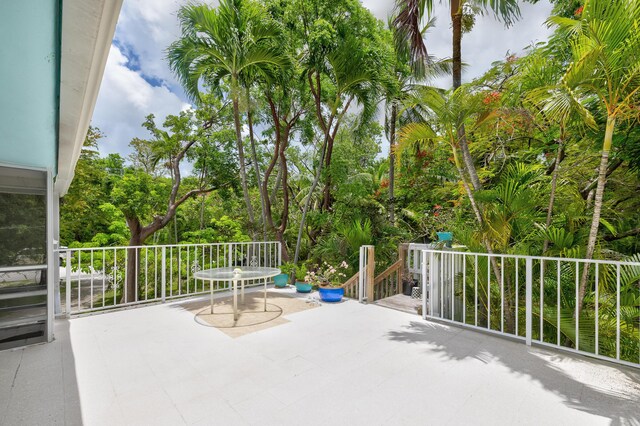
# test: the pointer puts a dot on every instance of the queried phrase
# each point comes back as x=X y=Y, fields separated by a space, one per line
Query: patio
x=347 y=363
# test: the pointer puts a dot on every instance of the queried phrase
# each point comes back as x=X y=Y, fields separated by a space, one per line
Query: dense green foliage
x=323 y=80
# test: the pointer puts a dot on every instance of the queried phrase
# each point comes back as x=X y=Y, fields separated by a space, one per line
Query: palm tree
x=605 y=53
x=558 y=106
x=409 y=14
x=254 y=158
x=221 y=46
x=438 y=115
x=402 y=83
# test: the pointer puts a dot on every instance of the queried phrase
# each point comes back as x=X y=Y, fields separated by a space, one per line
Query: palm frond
x=407 y=32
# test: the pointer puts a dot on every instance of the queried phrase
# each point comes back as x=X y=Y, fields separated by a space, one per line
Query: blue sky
x=137 y=80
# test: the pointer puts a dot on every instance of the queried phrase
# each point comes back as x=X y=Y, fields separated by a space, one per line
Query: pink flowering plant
x=327 y=275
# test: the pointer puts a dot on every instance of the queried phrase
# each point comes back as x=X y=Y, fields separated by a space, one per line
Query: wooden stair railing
x=351 y=286
x=386 y=284
x=389 y=282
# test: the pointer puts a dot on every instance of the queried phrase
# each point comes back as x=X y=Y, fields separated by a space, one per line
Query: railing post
x=432 y=277
x=68 y=283
x=402 y=257
x=371 y=271
x=279 y=245
x=361 y=274
x=423 y=276
x=529 y=299
x=163 y=292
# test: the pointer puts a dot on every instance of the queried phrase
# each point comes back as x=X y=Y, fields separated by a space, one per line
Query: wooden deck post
x=402 y=257
x=371 y=272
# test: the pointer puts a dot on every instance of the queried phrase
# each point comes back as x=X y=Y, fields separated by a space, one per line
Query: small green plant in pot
x=282 y=280
x=302 y=280
x=289 y=268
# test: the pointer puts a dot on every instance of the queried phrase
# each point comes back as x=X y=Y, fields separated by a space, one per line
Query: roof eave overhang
x=88 y=27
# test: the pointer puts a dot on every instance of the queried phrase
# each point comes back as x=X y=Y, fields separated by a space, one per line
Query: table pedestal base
x=235 y=295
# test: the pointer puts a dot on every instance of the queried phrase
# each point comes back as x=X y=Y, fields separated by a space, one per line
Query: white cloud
x=380 y=9
x=125 y=100
x=147 y=28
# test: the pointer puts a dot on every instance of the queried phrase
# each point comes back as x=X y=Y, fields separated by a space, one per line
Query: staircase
x=384 y=289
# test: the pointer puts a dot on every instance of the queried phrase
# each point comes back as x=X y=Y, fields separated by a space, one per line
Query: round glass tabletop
x=237 y=273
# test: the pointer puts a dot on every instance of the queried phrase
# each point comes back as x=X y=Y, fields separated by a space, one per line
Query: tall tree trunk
x=243 y=168
x=202 y=212
x=510 y=320
x=133 y=261
x=467 y=188
x=597 y=211
x=456 y=28
x=175 y=228
x=282 y=132
x=456 y=24
x=552 y=193
x=587 y=191
x=276 y=187
x=331 y=137
x=392 y=160
x=279 y=156
x=280 y=230
x=256 y=166
x=326 y=192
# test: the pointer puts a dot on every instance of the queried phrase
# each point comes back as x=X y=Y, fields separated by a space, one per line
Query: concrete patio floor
x=343 y=364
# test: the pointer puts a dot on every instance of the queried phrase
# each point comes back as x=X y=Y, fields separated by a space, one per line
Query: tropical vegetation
x=540 y=155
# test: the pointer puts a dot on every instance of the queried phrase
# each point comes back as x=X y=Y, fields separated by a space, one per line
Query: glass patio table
x=235 y=275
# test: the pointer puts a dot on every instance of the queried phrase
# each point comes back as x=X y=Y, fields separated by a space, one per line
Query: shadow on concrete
x=38 y=384
x=616 y=396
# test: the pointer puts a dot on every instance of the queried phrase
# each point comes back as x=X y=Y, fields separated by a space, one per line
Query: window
x=23 y=257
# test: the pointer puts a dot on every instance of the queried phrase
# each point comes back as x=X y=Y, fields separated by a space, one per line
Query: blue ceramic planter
x=281 y=280
x=303 y=287
x=445 y=236
x=331 y=294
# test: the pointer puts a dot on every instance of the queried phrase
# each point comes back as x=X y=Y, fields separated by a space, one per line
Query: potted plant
x=445 y=238
x=302 y=280
x=436 y=225
x=329 y=279
x=282 y=280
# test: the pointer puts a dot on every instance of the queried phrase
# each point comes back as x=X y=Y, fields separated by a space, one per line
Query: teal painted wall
x=29 y=50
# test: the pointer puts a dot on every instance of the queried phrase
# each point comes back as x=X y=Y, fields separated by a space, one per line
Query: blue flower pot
x=281 y=280
x=303 y=287
x=446 y=238
x=331 y=294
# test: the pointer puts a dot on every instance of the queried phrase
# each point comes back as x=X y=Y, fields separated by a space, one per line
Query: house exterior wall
x=29 y=82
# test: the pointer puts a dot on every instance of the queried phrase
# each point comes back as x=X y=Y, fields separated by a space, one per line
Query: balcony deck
x=337 y=364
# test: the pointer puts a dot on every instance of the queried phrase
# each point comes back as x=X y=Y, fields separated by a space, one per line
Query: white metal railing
x=363 y=277
x=414 y=258
x=533 y=299
x=100 y=278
